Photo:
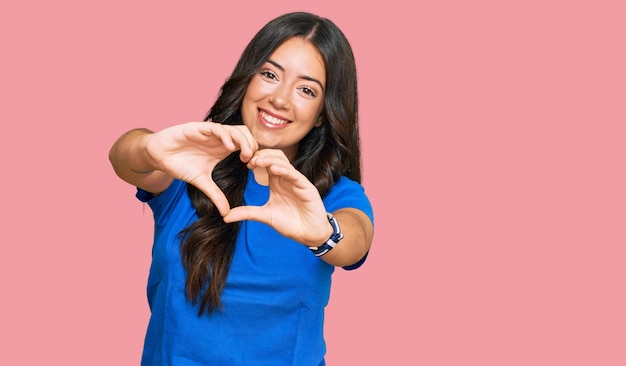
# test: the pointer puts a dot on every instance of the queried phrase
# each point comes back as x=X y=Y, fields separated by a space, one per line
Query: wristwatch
x=332 y=241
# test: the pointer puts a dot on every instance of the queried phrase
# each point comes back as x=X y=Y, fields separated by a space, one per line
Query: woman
x=255 y=206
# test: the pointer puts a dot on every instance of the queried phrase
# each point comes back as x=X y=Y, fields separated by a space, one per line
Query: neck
x=260 y=175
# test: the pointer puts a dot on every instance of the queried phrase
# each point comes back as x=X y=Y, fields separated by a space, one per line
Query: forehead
x=301 y=57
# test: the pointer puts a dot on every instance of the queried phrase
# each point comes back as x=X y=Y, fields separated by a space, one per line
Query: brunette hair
x=324 y=154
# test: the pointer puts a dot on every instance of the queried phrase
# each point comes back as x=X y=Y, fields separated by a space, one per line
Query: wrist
x=333 y=239
x=146 y=150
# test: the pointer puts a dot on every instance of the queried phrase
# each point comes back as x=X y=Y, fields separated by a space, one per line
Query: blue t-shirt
x=274 y=296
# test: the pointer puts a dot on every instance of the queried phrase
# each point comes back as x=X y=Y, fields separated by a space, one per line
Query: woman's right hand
x=187 y=151
x=190 y=151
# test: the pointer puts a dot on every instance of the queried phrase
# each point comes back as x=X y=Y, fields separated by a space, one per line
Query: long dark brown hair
x=324 y=154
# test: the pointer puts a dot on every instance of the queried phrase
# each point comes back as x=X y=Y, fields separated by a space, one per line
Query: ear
x=320 y=120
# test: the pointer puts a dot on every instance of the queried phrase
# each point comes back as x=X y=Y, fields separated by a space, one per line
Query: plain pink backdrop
x=494 y=154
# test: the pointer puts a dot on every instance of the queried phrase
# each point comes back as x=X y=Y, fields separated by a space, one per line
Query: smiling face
x=285 y=98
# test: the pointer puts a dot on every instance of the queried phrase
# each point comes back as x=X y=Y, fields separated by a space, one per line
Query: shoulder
x=347 y=193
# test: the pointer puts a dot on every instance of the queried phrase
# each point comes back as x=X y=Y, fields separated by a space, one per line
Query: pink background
x=494 y=154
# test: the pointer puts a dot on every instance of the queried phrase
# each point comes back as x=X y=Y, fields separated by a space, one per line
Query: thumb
x=255 y=213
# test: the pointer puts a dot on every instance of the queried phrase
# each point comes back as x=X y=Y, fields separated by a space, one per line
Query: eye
x=268 y=74
x=308 y=91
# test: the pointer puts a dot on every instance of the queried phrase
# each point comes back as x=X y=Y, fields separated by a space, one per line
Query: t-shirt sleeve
x=349 y=194
x=164 y=204
x=345 y=194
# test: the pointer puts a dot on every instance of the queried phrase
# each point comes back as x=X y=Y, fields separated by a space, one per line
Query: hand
x=190 y=151
x=294 y=208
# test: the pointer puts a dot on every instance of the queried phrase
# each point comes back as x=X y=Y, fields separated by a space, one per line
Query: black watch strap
x=332 y=241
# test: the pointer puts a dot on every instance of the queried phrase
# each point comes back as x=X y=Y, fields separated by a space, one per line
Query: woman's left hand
x=294 y=209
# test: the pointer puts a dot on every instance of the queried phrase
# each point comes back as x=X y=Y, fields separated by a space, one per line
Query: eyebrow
x=305 y=77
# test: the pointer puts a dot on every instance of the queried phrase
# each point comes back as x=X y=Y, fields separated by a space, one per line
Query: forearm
x=132 y=163
x=357 y=230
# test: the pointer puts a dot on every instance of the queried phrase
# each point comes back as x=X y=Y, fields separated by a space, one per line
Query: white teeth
x=273 y=120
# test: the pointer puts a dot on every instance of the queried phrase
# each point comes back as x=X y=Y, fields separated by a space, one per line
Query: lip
x=268 y=124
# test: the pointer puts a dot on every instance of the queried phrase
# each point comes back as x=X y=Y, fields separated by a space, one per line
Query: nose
x=280 y=97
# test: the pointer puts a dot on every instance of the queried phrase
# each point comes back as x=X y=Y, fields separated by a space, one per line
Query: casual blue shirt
x=274 y=297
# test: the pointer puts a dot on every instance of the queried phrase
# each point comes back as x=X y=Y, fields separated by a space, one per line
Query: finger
x=255 y=213
x=214 y=135
x=215 y=194
x=272 y=153
x=275 y=165
x=234 y=138
x=225 y=135
x=247 y=143
x=267 y=157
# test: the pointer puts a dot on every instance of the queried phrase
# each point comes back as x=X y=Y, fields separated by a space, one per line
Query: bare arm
x=133 y=164
x=296 y=210
x=358 y=232
x=188 y=151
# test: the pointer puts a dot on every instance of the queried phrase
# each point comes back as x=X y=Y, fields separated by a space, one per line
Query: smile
x=273 y=120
